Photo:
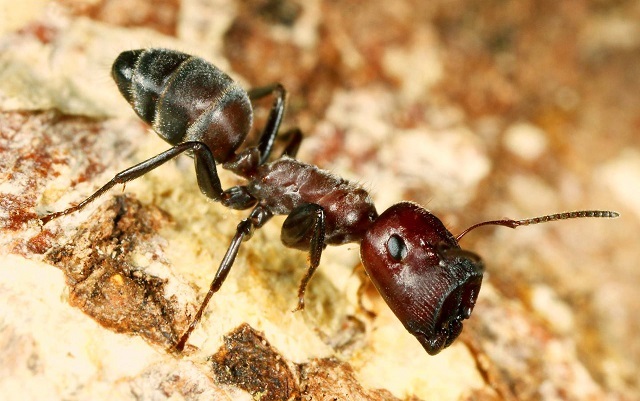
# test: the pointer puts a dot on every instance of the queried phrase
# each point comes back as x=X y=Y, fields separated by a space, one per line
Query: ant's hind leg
x=305 y=228
x=271 y=127
x=205 y=169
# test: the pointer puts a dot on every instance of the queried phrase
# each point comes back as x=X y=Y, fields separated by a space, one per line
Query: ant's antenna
x=543 y=219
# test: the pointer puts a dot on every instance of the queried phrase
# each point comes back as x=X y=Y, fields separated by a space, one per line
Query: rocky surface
x=476 y=111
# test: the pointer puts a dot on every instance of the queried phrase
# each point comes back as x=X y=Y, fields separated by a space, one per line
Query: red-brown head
x=427 y=280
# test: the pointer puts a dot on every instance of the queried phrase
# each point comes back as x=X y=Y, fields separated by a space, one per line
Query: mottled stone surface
x=476 y=111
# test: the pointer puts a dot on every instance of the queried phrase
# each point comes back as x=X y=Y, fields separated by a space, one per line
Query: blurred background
x=477 y=110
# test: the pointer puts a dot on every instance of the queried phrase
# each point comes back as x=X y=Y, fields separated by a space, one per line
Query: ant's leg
x=305 y=228
x=271 y=127
x=365 y=284
x=205 y=170
x=244 y=229
x=294 y=136
x=238 y=198
x=259 y=215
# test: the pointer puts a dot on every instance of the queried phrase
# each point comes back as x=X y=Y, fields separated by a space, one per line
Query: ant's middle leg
x=206 y=173
x=271 y=127
x=304 y=228
x=258 y=217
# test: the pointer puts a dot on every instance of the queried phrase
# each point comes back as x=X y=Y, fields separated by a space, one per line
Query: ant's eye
x=396 y=247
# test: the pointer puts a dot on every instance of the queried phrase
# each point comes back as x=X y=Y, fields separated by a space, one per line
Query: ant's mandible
x=429 y=282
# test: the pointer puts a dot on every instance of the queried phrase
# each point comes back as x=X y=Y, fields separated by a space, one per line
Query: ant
x=428 y=281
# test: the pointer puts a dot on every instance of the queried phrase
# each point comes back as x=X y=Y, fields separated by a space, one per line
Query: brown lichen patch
x=159 y=15
x=351 y=334
x=483 y=394
x=515 y=352
x=248 y=361
x=41 y=242
x=538 y=61
x=521 y=61
x=498 y=386
x=283 y=12
x=25 y=163
x=104 y=279
x=36 y=149
x=330 y=379
x=41 y=30
x=517 y=346
x=175 y=379
x=248 y=43
x=327 y=45
x=30 y=152
x=17 y=211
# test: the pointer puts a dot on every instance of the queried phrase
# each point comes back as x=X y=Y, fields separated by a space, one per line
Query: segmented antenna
x=543 y=219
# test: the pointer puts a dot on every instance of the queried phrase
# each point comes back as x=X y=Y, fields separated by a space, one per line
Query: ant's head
x=428 y=281
x=419 y=269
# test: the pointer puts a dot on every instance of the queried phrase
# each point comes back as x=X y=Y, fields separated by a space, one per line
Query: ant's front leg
x=304 y=228
x=205 y=170
x=258 y=217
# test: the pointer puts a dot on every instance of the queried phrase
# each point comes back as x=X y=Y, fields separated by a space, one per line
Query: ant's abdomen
x=185 y=98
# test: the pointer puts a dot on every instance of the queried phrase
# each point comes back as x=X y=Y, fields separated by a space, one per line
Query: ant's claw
x=300 y=305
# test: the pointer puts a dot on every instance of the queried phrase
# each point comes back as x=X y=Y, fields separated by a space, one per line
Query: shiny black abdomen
x=185 y=98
